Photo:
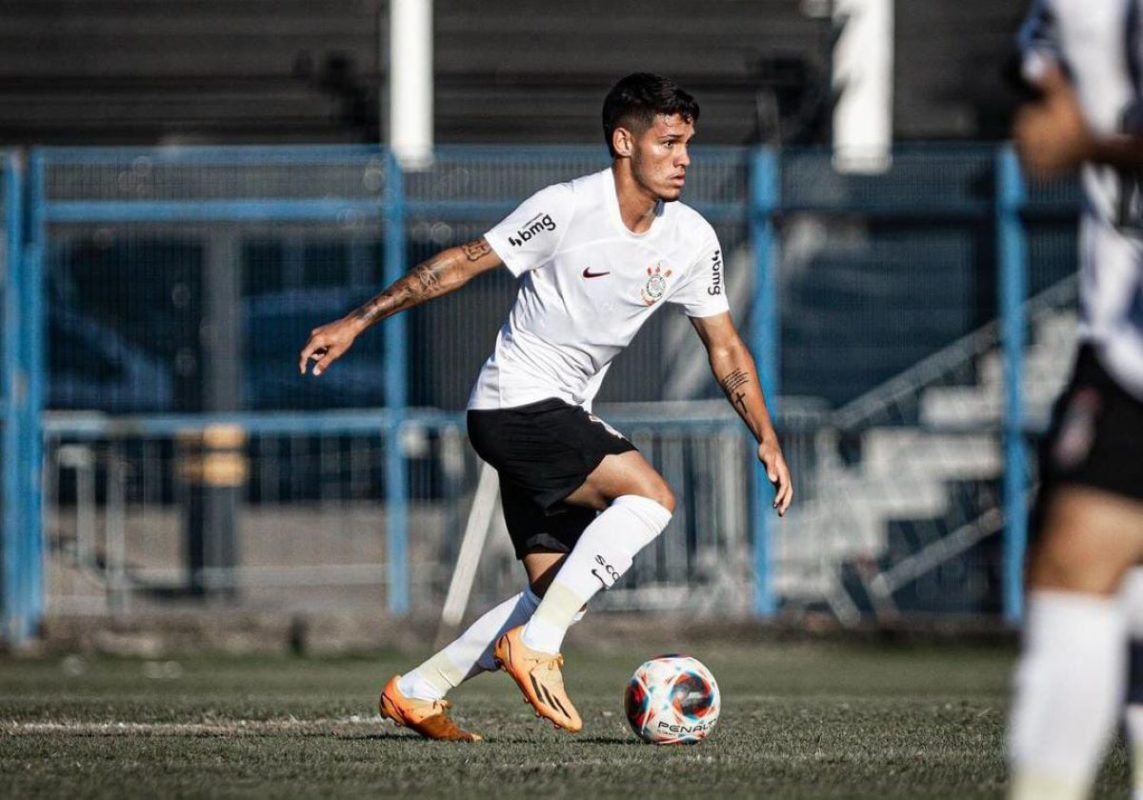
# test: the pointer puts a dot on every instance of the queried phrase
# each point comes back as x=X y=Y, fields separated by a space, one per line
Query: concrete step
x=903 y=475
x=1047 y=362
x=913 y=455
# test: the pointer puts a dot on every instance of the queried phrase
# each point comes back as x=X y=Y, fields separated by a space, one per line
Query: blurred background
x=190 y=188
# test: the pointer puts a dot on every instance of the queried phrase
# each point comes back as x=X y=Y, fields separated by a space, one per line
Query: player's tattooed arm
x=443 y=273
x=732 y=385
x=476 y=249
x=734 y=369
x=422 y=283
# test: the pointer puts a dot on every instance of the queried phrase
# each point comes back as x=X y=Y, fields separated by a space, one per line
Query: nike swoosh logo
x=587 y=273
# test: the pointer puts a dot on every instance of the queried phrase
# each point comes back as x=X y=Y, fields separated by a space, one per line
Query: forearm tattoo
x=428 y=277
x=476 y=249
x=731 y=385
x=421 y=283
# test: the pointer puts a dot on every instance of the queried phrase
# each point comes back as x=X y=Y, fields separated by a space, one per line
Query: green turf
x=798 y=721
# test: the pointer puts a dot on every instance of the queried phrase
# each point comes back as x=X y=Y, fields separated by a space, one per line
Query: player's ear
x=623 y=142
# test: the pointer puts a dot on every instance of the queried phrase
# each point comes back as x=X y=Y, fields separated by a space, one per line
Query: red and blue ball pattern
x=672 y=699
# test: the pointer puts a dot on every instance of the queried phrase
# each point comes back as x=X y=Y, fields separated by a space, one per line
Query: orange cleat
x=426 y=717
x=539 y=678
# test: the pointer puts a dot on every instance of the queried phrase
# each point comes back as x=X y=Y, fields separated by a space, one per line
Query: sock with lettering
x=603 y=553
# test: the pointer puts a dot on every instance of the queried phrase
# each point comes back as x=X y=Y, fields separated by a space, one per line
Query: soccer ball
x=672 y=699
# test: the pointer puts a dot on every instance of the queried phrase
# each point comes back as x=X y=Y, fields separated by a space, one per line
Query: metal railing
x=310 y=524
x=169 y=290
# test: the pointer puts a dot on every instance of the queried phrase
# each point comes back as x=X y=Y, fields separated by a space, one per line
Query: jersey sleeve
x=1039 y=42
x=704 y=292
x=529 y=236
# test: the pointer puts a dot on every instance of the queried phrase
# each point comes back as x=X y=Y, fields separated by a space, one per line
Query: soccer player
x=595 y=257
x=1087 y=61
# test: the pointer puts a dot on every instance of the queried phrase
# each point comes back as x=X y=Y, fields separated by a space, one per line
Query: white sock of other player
x=1069 y=689
x=1132 y=596
x=603 y=553
x=1133 y=721
x=471 y=653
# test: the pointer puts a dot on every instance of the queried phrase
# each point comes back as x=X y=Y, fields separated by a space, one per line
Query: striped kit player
x=1085 y=60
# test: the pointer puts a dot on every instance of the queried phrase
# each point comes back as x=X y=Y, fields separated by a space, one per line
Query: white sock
x=1069 y=688
x=1131 y=594
x=471 y=652
x=1134 y=724
x=603 y=553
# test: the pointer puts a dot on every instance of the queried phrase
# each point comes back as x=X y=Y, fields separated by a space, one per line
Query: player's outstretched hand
x=327 y=343
x=770 y=454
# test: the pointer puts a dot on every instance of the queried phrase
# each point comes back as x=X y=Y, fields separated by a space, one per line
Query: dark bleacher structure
x=953 y=68
x=142 y=71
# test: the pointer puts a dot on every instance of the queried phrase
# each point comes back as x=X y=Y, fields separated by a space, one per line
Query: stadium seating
x=954 y=85
x=140 y=71
x=914 y=497
x=514 y=71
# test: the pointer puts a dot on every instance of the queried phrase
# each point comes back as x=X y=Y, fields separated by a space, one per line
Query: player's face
x=659 y=157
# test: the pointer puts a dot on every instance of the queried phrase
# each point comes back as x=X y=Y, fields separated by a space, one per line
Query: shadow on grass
x=592 y=740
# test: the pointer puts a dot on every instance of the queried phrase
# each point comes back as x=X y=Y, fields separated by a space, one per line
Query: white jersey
x=1099 y=43
x=587 y=285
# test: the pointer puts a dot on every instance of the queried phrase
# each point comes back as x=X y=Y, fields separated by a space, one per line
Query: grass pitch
x=798 y=721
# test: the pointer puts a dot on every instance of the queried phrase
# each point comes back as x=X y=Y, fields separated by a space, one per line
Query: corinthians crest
x=656 y=284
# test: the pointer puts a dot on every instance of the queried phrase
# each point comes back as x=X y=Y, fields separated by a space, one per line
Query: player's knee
x=656 y=489
x=660 y=494
x=641 y=520
x=653 y=514
x=1062 y=562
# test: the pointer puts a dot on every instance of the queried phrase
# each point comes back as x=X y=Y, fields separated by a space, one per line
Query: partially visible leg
x=1132 y=597
x=637 y=507
x=1071 y=675
x=471 y=653
x=416 y=699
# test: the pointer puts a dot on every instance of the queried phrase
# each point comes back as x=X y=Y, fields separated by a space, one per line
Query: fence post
x=396 y=396
x=1012 y=257
x=37 y=371
x=765 y=333
x=14 y=396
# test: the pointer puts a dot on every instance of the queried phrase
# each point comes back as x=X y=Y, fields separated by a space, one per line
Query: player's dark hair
x=635 y=100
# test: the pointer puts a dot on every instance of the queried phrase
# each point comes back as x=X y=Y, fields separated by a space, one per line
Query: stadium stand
x=952 y=84
x=140 y=71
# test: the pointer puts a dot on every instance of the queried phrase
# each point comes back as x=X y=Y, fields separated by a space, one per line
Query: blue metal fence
x=347 y=207
x=21 y=598
x=197 y=185
x=1013 y=289
x=10 y=597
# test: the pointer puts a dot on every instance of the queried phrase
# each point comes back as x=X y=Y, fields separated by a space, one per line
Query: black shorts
x=543 y=452
x=1095 y=438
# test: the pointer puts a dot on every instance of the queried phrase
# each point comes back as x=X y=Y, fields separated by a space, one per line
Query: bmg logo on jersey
x=715 y=274
x=537 y=224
